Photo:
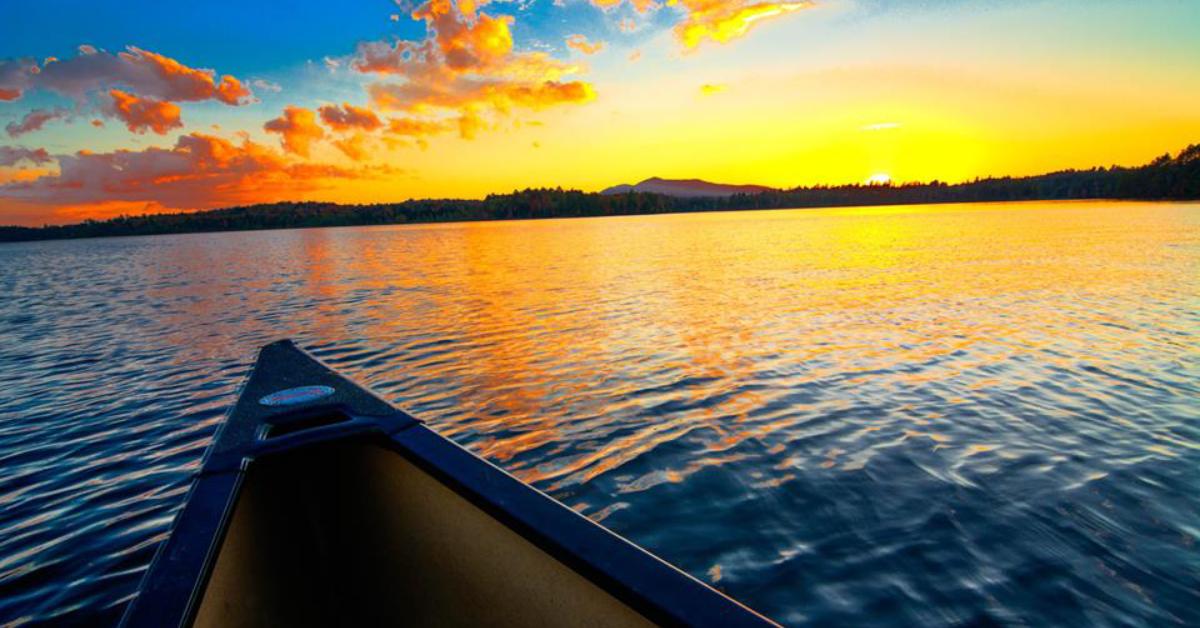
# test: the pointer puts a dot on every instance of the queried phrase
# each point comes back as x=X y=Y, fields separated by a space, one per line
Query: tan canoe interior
x=353 y=534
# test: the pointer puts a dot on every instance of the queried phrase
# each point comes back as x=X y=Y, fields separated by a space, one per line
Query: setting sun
x=880 y=178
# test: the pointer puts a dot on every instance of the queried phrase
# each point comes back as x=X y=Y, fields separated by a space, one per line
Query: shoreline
x=730 y=210
x=414 y=223
x=1165 y=179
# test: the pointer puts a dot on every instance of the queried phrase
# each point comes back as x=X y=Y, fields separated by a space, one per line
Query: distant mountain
x=687 y=188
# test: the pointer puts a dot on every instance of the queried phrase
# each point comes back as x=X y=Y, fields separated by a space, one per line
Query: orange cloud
x=413 y=127
x=134 y=70
x=349 y=117
x=139 y=86
x=33 y=121
x=467 y=40
x=184 y=83
x=541 y=95
x=297 y=128
x=581 y=43
x=140 y=114
x=199 y=172
x=465 y=68
x=469 y=124
x=725 y=20
x=353 y=147
x=475 y=95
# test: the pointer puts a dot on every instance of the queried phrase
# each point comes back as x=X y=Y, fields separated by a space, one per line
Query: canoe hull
x=343 y=510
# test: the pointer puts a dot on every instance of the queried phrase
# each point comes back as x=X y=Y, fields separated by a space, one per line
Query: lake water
x=912 y=415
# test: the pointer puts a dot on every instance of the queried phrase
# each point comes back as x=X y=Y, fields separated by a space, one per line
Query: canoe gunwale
x=174 y=584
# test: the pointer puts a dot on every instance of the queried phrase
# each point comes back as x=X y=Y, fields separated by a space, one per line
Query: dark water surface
x=926 y=416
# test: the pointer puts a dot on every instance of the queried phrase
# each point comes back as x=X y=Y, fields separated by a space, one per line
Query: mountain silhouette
x=686 y=188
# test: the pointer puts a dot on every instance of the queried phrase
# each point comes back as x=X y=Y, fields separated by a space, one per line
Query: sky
x=149 y=106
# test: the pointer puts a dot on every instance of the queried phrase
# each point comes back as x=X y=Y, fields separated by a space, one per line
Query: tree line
x=1166 y=178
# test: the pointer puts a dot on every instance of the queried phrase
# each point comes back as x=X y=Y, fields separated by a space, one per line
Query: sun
x=879 y=178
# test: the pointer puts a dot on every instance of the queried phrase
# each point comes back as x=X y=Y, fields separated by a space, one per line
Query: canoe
x=321 y=504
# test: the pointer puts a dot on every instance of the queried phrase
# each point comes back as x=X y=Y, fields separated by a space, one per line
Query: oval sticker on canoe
x=294 y=396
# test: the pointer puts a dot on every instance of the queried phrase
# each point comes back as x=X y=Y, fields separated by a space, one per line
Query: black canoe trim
x=173 y=585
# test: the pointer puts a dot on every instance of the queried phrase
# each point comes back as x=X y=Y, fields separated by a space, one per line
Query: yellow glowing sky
x=835 y=91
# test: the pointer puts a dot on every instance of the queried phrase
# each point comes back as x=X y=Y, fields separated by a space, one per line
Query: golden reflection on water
x=567 y=349
x=666 y=326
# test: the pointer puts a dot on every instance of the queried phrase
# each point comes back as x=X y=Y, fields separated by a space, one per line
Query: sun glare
x=880 y=178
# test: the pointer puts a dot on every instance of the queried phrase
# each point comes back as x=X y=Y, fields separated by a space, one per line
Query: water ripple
x=909 y=416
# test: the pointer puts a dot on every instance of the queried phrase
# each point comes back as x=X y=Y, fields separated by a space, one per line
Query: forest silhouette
x=1166 y=178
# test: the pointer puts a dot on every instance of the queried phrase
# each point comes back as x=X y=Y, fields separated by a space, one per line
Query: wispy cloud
x=718 y=21
x=34 y=121
x=12 y=155
x=582 y=44
x=348 y=117
x=722 y=21
x=264 y=85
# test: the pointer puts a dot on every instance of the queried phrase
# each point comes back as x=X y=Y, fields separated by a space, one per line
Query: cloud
x=349 y=117
x=142 y=114
x=16 y=76
x=297 y=128
x=710 y=89
x=581 y=43
x=413 y=127
x=469 y=124
x=881 y=126
x=641 y=6
x=11 y=155
x=34 y=120
x=354 y=147
x=465 y=69
x=138 y=86
x=472 y=95
x=199 y=172
x=716 y=20
x=134 y=70
x=264 y=85
x=724 y=20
